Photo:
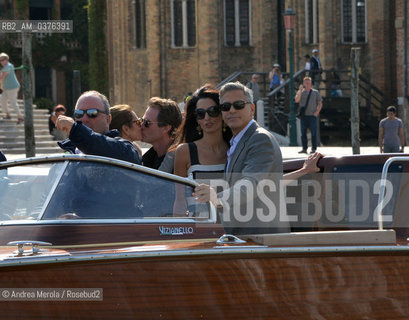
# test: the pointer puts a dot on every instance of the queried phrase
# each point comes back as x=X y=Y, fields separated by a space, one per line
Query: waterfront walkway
x=288 y=152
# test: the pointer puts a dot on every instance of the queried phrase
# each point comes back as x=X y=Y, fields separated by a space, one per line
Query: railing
x=370 y=97
x=244 y=77
x=277 y=101
x=298 y=76
x=17 y=41
x=374 y=97
x=382 y=188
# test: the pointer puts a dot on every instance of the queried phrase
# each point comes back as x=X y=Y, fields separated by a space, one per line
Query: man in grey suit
x=253 y=201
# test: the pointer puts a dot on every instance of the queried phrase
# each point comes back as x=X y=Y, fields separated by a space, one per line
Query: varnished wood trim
x=242 y=251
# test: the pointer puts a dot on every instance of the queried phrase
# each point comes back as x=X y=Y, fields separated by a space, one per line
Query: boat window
x=89 y=190
x=351 y=195
x=346 y=198
x=24 y=190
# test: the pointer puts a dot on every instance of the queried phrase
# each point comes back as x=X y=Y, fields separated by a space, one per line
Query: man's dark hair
x=391 y=109
x=169 y=113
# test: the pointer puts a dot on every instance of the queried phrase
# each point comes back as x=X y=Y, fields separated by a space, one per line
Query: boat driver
x=89 y=133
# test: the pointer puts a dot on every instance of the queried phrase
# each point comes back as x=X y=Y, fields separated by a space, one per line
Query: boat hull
x=265 y=285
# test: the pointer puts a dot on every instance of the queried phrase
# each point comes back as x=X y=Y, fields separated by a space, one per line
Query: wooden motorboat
x=65 y=256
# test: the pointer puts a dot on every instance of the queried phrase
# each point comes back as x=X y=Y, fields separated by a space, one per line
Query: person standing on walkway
x=316 y=68
x=253 y=85
x=307 y=63
x=275 y=77
x=10 y=88
x=391 y=135
x=310 y=102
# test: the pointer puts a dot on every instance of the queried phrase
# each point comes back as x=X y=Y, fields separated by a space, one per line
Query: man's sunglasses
x=91 y=113
x=238 y=105
x=213 y=111
x=147 y=122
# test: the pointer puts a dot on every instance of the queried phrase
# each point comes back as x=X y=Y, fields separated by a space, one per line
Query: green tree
x=98 y=57
x=22 y=9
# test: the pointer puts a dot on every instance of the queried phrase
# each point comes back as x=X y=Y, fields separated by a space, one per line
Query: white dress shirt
x=235 y=141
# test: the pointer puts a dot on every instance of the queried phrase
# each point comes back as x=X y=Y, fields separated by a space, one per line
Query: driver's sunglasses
x=238 y=105
x=213 y=111
x=147 y=122
x=91 y=113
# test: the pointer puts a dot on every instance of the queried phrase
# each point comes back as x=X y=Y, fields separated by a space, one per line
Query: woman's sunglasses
x=238 y=105
x=213 y=111
x=91 y=113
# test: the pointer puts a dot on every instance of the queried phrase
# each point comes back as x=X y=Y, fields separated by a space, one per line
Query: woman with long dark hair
x=204 y=140
x=203 y=136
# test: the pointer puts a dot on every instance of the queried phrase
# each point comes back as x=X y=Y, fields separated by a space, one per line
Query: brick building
x=336 y=26
x=402 y=58
x=53 y=68
x=170 y=47
x=402 y=54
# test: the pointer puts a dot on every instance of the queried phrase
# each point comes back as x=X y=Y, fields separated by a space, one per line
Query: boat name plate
x=175 y=231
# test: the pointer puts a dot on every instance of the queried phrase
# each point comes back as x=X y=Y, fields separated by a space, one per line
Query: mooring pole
x=29 y=137
x=355 y=140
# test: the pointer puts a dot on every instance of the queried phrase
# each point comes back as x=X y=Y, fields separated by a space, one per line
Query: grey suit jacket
x=251 y=204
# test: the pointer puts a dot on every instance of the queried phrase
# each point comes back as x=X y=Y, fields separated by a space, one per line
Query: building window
x=183 y=13
x=311 y=21
x=6 y=10
x=354 y=21
x=140 y=25
x=41 y=10
x=237 y=24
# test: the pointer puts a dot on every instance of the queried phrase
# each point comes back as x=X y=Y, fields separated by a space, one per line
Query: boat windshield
x=93 y=190
x=24 y=190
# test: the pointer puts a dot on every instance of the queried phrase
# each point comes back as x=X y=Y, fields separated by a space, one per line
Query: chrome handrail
x=383 y=186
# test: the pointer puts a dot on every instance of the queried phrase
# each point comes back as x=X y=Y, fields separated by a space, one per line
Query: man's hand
x=64 y=123
x=204 y=193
